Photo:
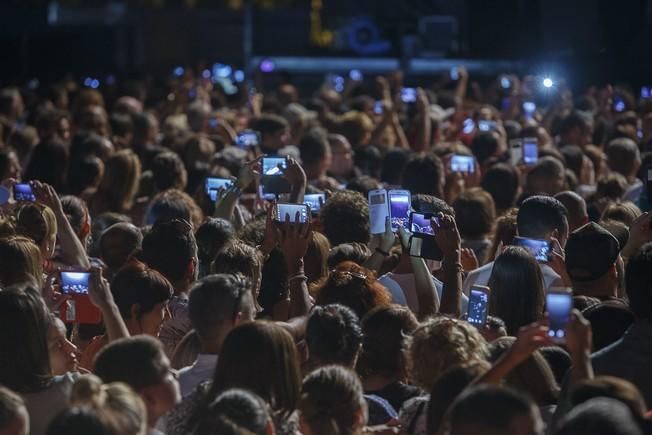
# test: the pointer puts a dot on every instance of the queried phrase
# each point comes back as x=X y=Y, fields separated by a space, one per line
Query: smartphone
x=460 y=163
x=421 y=224
x=74 y=283
x=247 y=139
x=378 y=210
x=284 y=210
x=559 y=303
x=454 y=74
x=23 y=192
x=378 y=107
x=408 y=95
x=399 y=208
x=468 y=126
x=530 y=151
x=272 y=180
x=355 y=75
x=486 y=126
x=619 y=104
x=505 y=82
x=540 y=249
x=336 y=82
x=213 y=184
x=646 y=92
x=478 y=306
x=516 y=151
x=424 y=247
x=314 y=201
x=529 y=107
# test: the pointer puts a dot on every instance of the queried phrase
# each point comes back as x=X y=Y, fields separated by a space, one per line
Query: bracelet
x=384 y=253
x=302 y=276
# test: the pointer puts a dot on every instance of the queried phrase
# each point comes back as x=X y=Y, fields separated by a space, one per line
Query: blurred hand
x=422 y=102
x=404 y=238
x=51 y=293
x=269 y=242
x=294 y=173
x=249 y=173
x=469 y=260
x=558 y=262
x=447 y=236
x=529 y=339
x=384 y=241
x=99 y=290
x=46 y=195
x=579 y=338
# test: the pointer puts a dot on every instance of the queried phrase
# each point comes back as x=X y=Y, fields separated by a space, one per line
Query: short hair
x=612 y=186
x=215 y=300
x=609 y=322
x=424 y=173
x=333 y=335
x=540 y=215
x=599 y=415
x=354 y=126
x=475 y=213
x=344 y=218
x=609 y=386
x=574 y=157
x=622 y=156
x=234 y=412
x=268 y=124
x=393 y=164
x=136 y=361
x=212 y=236
x=121 y=124
x=168 y=171
x=118 y=243
x=575 y=206
x=423 y=203
x=363 y=184
x=502 y=183
x=625 y=212
x=571 y=121
x=11 y=405
x=169 y=247
x=314 y=146
x=638 y=282
x=137 y=284
x=484 y=146
x=544 y=176
x=173 y=204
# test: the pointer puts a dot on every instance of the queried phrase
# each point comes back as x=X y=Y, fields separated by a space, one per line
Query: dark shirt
x=397 y=393
x=629 y=358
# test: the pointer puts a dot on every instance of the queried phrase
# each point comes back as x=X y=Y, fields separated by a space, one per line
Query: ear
x=86 y=228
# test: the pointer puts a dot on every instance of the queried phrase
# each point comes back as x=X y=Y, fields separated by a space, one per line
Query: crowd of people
x=135 y=300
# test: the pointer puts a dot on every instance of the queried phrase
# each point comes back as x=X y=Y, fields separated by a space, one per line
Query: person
x=212 y=235
x=277 y=381
x=594 y=275
x=39 y=223
x=316 y=157
x=63 y=354
x=424 y=174
x=168 y=172
x=517 y=295
x=539 y=217
x=576 y=207
x=623 y=157
x=546 y=177
x=628 y=357
x=475 y=214
x=274 y=131
x=119 y=186
x=341 y=168
x=492 y=410
x=14 y=419
x=599 y=415
x=141 y=363
x=236 y=412
x=332 y=402
x=609 y=320
x=502 y=182
x=10 y=165
x=117 y=245
x=345 y=218
x=172 y=204
x=217 y=304
x=26 y=261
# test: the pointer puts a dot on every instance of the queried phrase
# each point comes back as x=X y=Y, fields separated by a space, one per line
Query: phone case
x=80 y=309
x=425 y=247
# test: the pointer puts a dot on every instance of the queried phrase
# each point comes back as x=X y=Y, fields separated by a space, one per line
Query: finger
x=388 y=225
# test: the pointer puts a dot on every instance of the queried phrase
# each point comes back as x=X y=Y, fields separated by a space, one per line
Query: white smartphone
x=478 y=306
x=516 y=151
x=400 y=202
x=378 y=210
x=290 y=211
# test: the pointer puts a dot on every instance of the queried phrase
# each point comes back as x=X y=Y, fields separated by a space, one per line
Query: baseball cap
x=590 y=251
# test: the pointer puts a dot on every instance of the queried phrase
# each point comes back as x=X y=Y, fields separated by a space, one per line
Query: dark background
x=586 y=41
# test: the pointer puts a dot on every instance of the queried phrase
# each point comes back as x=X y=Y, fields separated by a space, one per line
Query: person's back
x=599 y=415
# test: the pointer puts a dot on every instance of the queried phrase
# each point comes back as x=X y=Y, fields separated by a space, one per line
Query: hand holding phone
x=272 y=180
x=314 y=201
x=23 y=192
x=212 y=186
x=399 y=208
x=79 y=308
x=478 y=306
x=463 y=164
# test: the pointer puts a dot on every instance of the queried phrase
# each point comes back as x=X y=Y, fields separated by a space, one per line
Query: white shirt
x=404 y=283
x=201 y=370
x=480 y=276
x=44 y=405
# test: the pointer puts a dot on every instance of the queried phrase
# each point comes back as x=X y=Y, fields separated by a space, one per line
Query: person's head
x=502 y=183
x=625 y=212
x=576 y=207
x=574 y=130
x=599 y=415
x=274 y=131
x=142 y=296
x=355 y=287
x=439 y=344
x=623 y=157
x=611 y=186
x=118 y=243
x=316 y=258
x=332 y=402
x=212 y=236
x=385 y=332
x=260 y=357
x=315 y=152
x=356 y=127
x=363 y=184
x=475 y=213
x=217 y=304
x=62 y=352
x=591 y=256
x=117 y=408
x=342 y=155
x=355 y=252
x=368 y=160
x=333 y=336
x=393 y=164
x=198 y=113
x=517 y=293
x=609 y=322
x=424 y=173
x=173 y=204
x=38 y=223
x=141 y=363
x=48 y=163
x=543 y=217
x=9 y=165
x=546 y=177
x=120 y=181
x=613 y=388
x=168 y=172
x=24 y=321
x=170 y=248
x=77 y=213
x=236 y=412
x=25 y=259
x=494 y=410
x=240 y=258
x=485 y=146
x=345 y=218
x=14 y=419
x=638 y=282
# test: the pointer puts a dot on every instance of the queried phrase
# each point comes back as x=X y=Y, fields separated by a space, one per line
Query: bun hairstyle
x=118 y=408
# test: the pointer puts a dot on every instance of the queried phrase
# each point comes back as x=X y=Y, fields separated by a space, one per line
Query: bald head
x=576 y=206
x=117 y=243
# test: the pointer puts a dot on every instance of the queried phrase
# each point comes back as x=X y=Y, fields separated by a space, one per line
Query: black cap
x=590 y=252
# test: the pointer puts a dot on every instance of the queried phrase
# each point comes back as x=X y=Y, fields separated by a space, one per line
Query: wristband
x=383 y=253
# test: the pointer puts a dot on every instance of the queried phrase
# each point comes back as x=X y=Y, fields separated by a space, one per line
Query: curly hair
x=441 y=343
x=345 y=218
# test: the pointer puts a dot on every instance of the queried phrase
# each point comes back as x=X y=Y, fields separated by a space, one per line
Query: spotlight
x=548 y=83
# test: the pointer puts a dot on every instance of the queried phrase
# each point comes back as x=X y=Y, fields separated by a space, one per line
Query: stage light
x=267 y=66
x=178 y=71
x=547 y=82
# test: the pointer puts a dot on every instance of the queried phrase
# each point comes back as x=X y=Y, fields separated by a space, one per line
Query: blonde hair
x=37 y=222
x=20 y=262
x=120 y=182
x=441 y=343
x=116 y=405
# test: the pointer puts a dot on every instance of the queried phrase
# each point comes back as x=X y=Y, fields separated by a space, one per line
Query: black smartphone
x=478 y=306
x=23 y=192
x=272 y=181
x=421 y=224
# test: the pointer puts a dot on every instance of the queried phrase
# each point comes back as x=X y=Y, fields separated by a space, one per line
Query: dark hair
x=423 y=203
x=517 y=293
x=137 y=284
x=363 y=184
x=168 y=171
x=173 y=204
x=609 y=386
x=345 y=218
x=638 y=282
x=599 y=415
x=268 y=124
x=135 y=361
x=571 y=121
x=368 y=159
x=121 y=124
x=475 y=213
x=314 y=146
x=10 y=405
x=355 y=252
x=484 y=146
x=331 y=399
x=545 y=177
x=169 y=247
x=609 y=321
x=424 y=173
x=49 y=163
x=77 y=213
x=574 y=157
x=502 y=182
x=333 y=335
x=575 y=206
x=212 y=236
x=118 y=243
x=234 y=412
x=216 y=300
x=393 y=165
x=540 y=215
x=622 y=155
x=24 y=322
x=77 y=420
x=385 y=330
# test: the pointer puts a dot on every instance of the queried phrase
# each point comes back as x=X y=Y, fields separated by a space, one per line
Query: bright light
x=547 y=82
x=206 y=74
